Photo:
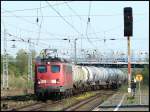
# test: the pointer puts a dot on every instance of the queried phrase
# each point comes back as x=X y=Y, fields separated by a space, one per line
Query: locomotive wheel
x=57 y=96
x=41 y=96
x=38 y=96
x=69 y=92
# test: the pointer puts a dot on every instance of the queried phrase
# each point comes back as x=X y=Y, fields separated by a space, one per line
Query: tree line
x=18 y=66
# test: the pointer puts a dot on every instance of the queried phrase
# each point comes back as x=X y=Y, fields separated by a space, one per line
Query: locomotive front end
x=49 y=79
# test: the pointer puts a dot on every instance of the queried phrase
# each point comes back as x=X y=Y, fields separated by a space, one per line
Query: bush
x=145 y=73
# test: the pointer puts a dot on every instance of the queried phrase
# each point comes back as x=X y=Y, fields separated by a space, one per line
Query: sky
x=68 y=19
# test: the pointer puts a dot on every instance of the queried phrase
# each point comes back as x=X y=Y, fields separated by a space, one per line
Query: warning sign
x=139 y=77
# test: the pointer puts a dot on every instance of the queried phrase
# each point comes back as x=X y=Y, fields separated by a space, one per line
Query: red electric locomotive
x=53 y=77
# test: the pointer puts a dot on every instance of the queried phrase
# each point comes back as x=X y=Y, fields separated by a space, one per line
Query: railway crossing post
x=140 y=92
x=139 y=78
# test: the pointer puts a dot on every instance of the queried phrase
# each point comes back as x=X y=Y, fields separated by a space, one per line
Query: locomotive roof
x=52 y=59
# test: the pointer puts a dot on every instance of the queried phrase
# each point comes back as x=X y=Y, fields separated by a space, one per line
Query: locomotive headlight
x=39 y=82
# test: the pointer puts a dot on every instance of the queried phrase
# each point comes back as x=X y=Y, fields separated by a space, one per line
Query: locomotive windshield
x=42 y=69
x=55 y=68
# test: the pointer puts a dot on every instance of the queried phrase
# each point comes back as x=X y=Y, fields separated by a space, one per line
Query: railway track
x=33 y=107
x=18 y=97
x=90 y=103
x=40 y=106
x=9 y=102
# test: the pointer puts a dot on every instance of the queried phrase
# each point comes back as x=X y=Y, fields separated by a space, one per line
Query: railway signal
x=128 y=23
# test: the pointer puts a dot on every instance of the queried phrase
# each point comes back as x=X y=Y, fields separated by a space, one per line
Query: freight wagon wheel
x=65 y=95
x=99 y=87
x=88 y=88
x=96 y=87
x=69 y=93
x=74 y=92
x=93 y=88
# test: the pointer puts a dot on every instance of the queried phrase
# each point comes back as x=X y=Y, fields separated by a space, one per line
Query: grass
x=19 y=82
x=18 y=85
x=130 y=99
x=123 y=88
x=85 y=95
x=72 y=100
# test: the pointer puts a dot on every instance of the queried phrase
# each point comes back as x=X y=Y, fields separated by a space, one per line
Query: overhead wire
x=88 y=22
x=80 y=15
x=118 y=27
x=64 y=35
x=48 y=33
x=23 y=40
x=100 y=15
x=76 y=14
x=62 y=17
x=25 y=20
x=47 y=45
x=37 y=7
x=39 y=34
x=20 y=17
x=79 y=19
x=54 y=39
x=114 y=28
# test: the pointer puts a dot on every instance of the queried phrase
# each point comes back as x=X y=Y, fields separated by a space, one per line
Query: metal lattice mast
x=5 y=63
x=29 y=62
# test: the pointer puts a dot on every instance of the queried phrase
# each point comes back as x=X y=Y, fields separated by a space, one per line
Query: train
x=59 y=77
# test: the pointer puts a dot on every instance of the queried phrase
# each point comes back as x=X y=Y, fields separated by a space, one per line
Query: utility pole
x=29 y=61
x=129 y=65
x=5 y=64
x=75 y=51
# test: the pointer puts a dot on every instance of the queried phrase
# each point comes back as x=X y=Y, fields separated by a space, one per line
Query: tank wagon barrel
x=97 y=75
x=79 y=76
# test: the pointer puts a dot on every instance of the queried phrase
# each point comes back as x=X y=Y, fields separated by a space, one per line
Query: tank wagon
x=56 y=77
